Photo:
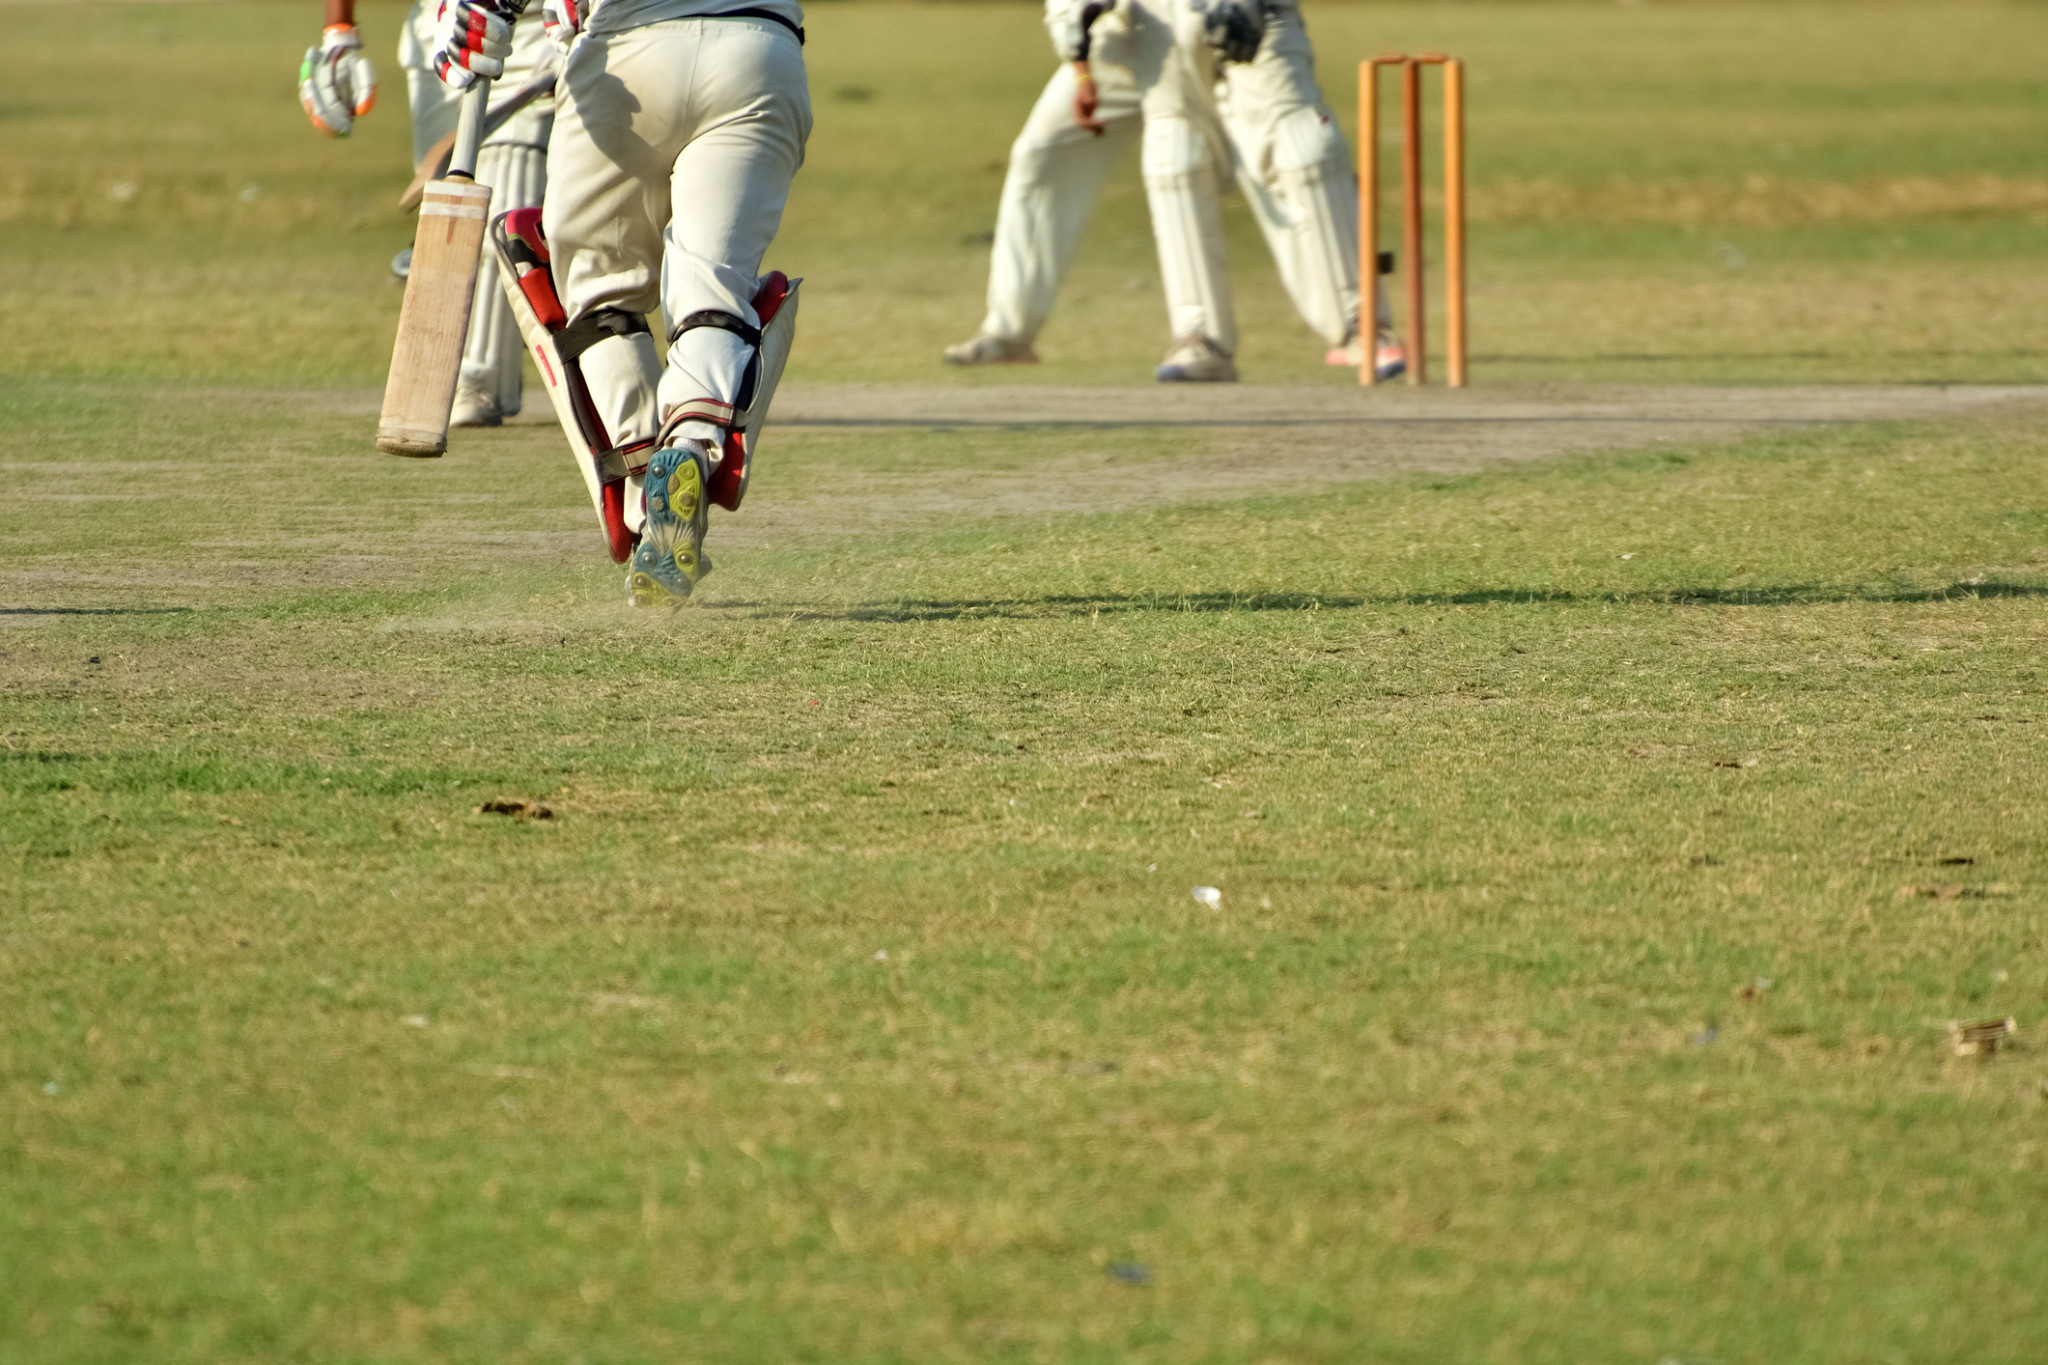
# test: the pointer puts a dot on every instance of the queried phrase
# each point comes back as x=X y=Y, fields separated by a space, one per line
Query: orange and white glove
x=337 y=85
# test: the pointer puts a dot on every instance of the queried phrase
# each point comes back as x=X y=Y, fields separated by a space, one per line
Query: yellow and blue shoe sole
x=670 y=560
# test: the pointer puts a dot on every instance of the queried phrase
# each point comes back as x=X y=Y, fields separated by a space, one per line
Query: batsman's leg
x=514 y=164
x=492 y=356
x=603 y=234
x=728 y=189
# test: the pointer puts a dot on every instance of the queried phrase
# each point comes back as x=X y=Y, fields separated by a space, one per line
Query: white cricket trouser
x=513 y=162
x=1057 y=170
x=1268 y=122
x=673 y=151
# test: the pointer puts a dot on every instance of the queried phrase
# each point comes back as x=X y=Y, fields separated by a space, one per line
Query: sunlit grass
x=1604 y=846
x=1603 y=849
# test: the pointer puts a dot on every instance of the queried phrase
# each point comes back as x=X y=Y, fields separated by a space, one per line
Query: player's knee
x=1308 y=138
x=597 y=325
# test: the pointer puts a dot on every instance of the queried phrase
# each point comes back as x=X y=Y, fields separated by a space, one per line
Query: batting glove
x=473 y=38
x=563 y=20
x=336 y=82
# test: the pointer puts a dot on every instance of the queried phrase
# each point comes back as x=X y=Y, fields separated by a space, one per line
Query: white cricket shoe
x=983 y=349
x=1389 y=360
x=1197 y=360
x=475 y=407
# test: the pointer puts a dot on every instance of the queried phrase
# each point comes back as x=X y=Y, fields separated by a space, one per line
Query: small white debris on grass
x=251 y=192
x=881 y=955
x=415 y=1021
x=1208 y=896
x=123 y=191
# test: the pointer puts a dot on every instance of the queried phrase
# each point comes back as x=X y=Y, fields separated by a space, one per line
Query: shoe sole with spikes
x=670 y=560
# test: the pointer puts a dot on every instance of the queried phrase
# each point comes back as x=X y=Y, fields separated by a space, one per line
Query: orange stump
x=1371 y=263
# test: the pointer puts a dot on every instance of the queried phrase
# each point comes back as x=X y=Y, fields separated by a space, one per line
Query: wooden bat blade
x=426 y=358
x=432 y=167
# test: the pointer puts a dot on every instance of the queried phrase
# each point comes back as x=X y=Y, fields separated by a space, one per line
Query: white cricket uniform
x=676 y=138
x=1264 y=120
x=512 y=161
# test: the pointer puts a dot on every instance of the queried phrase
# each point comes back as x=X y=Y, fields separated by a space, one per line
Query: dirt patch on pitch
x=838 y=460
x=1244 y=440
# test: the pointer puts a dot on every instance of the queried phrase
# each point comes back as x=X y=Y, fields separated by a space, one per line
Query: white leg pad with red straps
x=735 y=426
x=624 y=363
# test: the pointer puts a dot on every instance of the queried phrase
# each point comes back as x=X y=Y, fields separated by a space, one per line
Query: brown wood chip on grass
x=1980 y=1037
x=518 y=810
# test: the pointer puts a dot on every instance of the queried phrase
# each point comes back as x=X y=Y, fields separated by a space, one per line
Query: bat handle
x=469 y=132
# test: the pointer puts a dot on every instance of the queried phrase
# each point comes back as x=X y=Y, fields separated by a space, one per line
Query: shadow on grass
x=96 y=611
x=1683 y=357
x=1362 y=419
x=1081 y=604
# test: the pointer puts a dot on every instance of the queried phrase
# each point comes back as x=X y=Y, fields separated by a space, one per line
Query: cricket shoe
x=670 y=559
x=475 y=407
x=1197 y=360
x=1389 y=358
x=983 y=349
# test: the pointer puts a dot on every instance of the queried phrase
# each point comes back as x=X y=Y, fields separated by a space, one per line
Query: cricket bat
x=434 y=164
x=426 y=359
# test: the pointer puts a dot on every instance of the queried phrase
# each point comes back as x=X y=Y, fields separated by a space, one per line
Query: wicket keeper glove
x=1234 y=28
x=563 y=20
x=336 y=82
x=473 y=38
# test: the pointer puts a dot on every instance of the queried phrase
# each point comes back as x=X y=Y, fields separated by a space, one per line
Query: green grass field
x=1605 y=843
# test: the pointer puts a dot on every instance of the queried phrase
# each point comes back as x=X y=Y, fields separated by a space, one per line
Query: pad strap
x=712 y=317
x=579 y=336
x=625 y=461
x=709 y=410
